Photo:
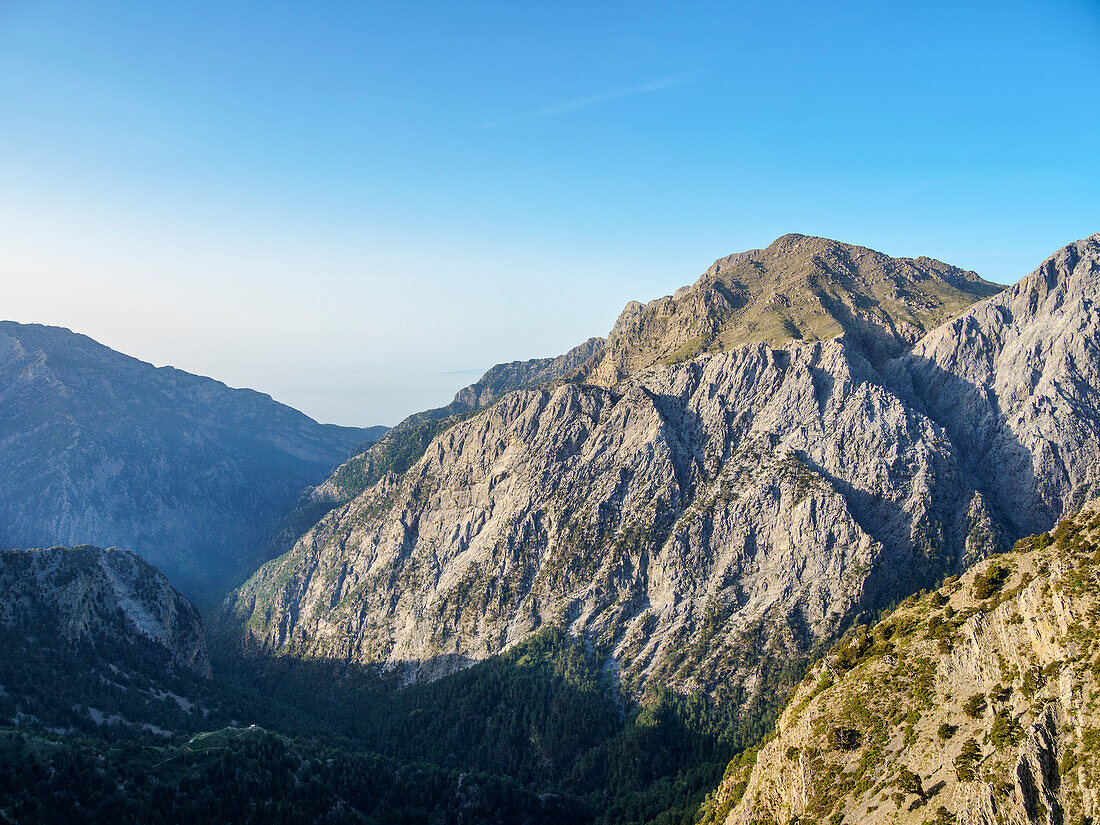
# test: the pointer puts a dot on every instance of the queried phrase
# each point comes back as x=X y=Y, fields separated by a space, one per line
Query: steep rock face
x=86 y=596
x=706 y=524
x=976 y=704
x=798 y=289
x=103 y=448
x=744 y=501
x=1015 y=382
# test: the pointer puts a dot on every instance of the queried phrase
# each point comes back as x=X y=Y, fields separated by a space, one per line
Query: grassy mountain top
x=979 y=702
x=798 y=289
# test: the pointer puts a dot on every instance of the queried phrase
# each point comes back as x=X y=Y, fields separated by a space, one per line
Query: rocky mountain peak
x=800 y=288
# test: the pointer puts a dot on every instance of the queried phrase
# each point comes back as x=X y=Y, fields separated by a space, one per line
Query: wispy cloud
x=939 y=184
x=585 y=102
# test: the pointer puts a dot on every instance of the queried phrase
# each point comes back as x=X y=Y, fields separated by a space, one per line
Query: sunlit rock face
x=707 y=522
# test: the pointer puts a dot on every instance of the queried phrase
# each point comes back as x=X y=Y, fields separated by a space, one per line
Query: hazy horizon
x=358 y=210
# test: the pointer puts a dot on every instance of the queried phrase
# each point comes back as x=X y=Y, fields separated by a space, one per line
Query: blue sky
x=353 y=205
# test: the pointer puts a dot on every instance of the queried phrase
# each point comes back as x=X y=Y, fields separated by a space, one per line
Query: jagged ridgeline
x=976 y=704
x=704 y=523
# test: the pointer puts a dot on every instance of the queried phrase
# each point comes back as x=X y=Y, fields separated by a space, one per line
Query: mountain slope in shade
x=798 y=289
x=97 y=637
x=99 y=447
x=976 y=704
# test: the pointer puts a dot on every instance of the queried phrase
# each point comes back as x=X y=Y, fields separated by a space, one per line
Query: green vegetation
x=990 y=582
x=967 y=760
x=974 y=706
x=546 y=714
x=244 y=777
x=395 y=452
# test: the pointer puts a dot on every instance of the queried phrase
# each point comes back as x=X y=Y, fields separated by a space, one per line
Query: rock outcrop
x=101 y=448
x=976 y=703
x=708 y=524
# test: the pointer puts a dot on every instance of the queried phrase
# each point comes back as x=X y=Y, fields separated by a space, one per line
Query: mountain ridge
x=798 y=288
x=107 y=449
x=701 y=522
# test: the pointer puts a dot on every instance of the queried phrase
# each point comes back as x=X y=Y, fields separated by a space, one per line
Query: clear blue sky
x=353 y=205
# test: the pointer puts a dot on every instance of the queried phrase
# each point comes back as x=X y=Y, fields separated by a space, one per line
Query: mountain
x=504 y=378
x=96 y=637
x=1015 y=384
x=400 y=447
x=102 y=448
x=974 y=704
x=706 y=524
x=798 y=289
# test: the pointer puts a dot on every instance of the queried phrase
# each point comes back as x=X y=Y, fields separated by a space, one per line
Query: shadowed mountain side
x=100 y=447
x=250 y=776
x=97 y=640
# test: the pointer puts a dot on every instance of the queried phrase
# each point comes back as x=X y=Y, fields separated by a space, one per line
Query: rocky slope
x=798 y=289
x=706 y=524
x=400 y=448
x=103 y=448
x=977 y=703
x=1015 y=383
x=94 y=636
x=700 y=516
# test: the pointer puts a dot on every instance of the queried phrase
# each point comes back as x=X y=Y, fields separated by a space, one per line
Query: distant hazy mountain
x=710 y=521
x=98 y=447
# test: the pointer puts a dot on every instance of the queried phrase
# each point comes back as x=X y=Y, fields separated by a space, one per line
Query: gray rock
x=707 y=521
